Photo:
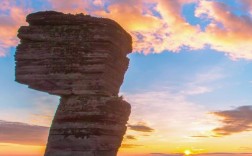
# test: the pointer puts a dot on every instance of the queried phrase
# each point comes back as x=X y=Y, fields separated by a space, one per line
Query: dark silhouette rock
x=82 y=59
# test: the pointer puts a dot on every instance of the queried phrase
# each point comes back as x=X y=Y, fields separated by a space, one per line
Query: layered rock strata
x=82 y=59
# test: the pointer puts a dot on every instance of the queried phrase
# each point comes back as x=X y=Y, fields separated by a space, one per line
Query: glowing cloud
x=227 y=31
x=156 y=25
x=12 y=17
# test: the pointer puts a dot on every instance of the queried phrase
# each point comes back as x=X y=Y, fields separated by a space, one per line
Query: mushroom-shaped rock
x=82 y=59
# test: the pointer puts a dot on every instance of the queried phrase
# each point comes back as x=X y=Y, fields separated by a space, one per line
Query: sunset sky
x=189 y=80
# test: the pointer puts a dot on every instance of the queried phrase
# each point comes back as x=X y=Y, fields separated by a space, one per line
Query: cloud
x=196 y=90
x=247 y=5
x=227 y=32
x=12 y=16
x=170 y=114
x=246 y=148
x=234 y=121
x=167 y=28
x=44 y=107
x=163 y=154
x=141 y=127
x=129 y=145
x=130 y=137
x=156 y=25
x=21 y=133
x=200 y=136
x=204 y=82
x=132 y=14
x=73 y=6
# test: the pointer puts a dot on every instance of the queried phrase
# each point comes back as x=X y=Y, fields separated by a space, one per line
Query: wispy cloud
x=200 y=136
x=234 y=121
x=130 y=145
x=141 y=127
x=22 y=133
x=246 y=148
x=169 y=113
x=163 y=154
x=196 y=90
x=204 y=82
x=130 y=137
x=44 y=107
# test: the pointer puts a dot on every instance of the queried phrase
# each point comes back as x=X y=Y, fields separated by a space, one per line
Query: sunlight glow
x=187 y=152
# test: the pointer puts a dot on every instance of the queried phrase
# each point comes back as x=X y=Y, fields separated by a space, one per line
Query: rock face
x=82 y=59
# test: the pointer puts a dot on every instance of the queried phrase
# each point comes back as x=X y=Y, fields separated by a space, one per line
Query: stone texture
x=82 y=59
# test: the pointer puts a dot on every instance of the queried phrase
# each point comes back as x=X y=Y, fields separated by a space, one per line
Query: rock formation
x=82 y=59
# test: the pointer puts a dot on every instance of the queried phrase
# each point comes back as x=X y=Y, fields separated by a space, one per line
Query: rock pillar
x=82 y=59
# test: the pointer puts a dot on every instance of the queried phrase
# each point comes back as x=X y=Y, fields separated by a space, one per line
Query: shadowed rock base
x=83 y=60
x=88 y=126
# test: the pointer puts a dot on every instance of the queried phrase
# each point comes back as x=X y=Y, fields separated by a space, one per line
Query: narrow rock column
x=82 y=59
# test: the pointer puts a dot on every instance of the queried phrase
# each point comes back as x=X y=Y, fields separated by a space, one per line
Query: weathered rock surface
x=83 y=59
